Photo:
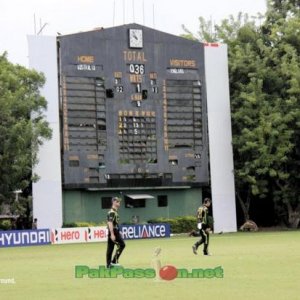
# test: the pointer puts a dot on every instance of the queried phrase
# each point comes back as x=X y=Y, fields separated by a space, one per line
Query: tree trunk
x=294 y=215
x=244 y=206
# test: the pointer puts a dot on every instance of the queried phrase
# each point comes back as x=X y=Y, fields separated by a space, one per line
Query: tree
x=22 y=127
x=283 y=28
x=205 y=32
x=264 y=84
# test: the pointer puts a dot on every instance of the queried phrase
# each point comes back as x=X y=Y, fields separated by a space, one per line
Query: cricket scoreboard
x=132 y=108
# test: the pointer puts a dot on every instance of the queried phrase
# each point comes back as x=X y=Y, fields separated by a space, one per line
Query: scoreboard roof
x=117 y=30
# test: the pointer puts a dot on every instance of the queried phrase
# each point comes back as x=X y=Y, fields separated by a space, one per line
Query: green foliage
x=69 y=225
x=264 y=71
x=22 y=127
x=83 y=224
x=179 y=224
x=5 y=224
x=204 y=34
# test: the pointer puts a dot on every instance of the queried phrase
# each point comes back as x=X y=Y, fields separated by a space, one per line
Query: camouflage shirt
x=202 y=214
x=113 y=216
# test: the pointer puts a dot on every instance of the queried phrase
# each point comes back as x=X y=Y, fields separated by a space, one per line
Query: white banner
x=78 y=235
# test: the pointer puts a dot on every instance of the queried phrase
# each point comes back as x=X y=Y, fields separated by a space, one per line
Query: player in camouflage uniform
x=114 y=235
x=203 y=227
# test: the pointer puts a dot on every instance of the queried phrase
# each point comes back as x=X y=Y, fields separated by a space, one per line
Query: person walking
x=203 y=227
x=114 y=235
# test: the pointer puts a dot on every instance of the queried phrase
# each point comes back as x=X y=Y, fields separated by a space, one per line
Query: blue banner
x=16 y=238
x=145 y=231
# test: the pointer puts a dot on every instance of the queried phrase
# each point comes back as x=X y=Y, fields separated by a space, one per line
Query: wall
x=220 y=138
x=47 y=192
x=86 y=206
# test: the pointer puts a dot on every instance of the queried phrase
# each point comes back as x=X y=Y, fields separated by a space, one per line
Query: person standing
x=114 y=235
x=203 y=227
x=34 y=224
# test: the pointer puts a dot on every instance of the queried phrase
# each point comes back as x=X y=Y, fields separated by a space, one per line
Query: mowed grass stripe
x=262 y=265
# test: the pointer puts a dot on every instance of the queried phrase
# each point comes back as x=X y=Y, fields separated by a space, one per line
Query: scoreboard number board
x=133 y=109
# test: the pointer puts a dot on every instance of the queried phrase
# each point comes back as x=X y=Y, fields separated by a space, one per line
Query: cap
x=116 y=199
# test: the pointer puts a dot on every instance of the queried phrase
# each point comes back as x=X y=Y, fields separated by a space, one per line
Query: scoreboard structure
x=133 y=112
x=133 y=109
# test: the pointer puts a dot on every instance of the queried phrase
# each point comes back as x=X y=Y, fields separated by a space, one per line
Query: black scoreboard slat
x=133 y=109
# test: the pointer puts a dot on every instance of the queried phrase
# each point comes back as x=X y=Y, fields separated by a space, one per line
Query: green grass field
x=263 y=265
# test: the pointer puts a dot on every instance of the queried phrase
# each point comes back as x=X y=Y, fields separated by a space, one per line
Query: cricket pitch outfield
x=261 y=265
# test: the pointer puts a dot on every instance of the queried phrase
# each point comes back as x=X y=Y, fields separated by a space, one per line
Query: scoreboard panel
x=133 y=109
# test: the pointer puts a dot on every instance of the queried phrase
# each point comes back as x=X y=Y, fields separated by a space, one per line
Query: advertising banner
x=78 y=235
x=146 y=231
x=99 y=234
x=15 y=238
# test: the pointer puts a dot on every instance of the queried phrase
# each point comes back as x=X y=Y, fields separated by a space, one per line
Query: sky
x=19 y=18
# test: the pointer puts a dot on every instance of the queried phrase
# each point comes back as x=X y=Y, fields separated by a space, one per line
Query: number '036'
x=137 y=69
